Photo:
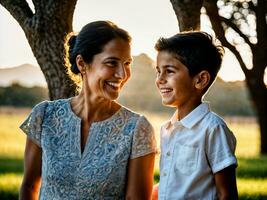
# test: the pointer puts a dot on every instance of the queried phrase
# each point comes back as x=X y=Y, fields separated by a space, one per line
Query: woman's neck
x=91 y=109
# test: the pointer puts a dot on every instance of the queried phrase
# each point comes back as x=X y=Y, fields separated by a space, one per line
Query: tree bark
x=188 y=14
x=45 y=30
x=259 y=97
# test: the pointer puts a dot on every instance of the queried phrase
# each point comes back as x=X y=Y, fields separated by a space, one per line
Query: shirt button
x=164 y=174
x=168 y=153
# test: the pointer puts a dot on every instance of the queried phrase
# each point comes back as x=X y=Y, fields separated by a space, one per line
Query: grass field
x=251 y=172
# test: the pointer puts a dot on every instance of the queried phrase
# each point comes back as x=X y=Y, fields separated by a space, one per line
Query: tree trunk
x=45 y=31
x=48 y=48
x=259 y=97
x=258 y=93
x=254 y=76
x=187 y=13
x=262 y=119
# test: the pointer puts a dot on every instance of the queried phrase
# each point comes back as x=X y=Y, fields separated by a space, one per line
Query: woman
x=89 y=146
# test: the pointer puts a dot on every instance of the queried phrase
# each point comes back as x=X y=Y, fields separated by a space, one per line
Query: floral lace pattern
x=99 y=172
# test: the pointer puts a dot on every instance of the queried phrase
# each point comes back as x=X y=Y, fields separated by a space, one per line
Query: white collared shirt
x=192 y=150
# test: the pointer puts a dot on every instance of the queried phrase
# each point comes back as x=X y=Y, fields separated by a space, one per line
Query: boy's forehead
x=167 y=57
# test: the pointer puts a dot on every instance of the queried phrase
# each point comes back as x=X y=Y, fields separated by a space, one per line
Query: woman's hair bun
x=73 y=54
x=72 y=41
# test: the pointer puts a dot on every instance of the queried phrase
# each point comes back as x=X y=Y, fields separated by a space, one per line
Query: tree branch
x=19 y=9
x=212 y=11
x=261 y=25
x=66 y=9
x=187 y=13
x=236 y=29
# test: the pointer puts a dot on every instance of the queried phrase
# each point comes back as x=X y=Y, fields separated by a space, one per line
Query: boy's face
x=176 y=86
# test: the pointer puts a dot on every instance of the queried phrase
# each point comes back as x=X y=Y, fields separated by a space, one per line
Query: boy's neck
x=184 y=110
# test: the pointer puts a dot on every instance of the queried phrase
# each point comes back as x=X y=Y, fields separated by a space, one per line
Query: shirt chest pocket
x=186 y=158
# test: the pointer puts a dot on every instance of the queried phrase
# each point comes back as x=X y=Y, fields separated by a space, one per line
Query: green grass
x=11 y=156
x=12 y=139
x=251 y=171
x=9 y=185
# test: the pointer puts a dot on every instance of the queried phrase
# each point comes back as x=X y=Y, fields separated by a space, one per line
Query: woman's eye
x=111 y=63
x=128 y=64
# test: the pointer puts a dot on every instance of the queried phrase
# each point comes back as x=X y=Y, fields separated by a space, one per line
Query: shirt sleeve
x=221 y=148
x=144 y=141
x=32 y=126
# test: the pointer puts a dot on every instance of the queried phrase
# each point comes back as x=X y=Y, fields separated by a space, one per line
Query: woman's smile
x=114 y=85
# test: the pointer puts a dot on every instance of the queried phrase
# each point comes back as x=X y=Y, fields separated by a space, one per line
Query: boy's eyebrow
x=167 y=66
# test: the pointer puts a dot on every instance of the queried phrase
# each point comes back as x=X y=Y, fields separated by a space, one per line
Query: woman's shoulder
x=130 y=114
x=136 y=116
x=50 y=107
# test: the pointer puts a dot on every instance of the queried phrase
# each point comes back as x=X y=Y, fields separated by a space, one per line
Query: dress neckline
x=116 y=114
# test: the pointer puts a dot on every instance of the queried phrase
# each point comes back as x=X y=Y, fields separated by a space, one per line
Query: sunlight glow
x=157 y=22
x=230 y=69
x=265 y=76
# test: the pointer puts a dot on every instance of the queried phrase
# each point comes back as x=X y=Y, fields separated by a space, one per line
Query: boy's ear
x=80 y=64
x=202 y=79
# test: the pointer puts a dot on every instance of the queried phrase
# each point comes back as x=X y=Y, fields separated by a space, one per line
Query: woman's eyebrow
x=112 y=58
x=116 y=58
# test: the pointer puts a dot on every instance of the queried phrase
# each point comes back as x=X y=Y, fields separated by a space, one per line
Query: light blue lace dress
x=100 y=171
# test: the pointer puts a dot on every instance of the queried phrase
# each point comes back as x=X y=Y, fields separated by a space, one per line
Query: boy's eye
x=169 y=71
x=157 y=72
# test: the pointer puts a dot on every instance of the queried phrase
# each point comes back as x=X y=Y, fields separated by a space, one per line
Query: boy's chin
x=168 y=104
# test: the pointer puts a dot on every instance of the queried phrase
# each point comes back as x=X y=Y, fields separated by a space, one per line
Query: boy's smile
x=176 y=86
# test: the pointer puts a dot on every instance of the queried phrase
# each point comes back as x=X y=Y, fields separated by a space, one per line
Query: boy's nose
x=160 y=79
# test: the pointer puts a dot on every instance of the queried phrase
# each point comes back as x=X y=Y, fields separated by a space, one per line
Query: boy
x=197 y=148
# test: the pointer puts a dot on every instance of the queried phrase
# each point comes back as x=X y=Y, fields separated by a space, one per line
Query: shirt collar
x=189 y=120
x=196 y=115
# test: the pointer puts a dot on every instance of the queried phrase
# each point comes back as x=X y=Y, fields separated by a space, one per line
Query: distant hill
x=230 y=98
x=26 y=74
x=140 y=92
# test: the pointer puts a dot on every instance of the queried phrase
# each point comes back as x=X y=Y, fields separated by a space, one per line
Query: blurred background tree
x=45 y=28
x=241 y=26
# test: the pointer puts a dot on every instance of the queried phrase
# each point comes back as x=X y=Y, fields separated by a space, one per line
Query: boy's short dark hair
x=195 y=50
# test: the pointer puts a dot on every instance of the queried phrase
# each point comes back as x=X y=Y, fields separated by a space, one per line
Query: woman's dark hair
x=195 y=50
x=90 y=41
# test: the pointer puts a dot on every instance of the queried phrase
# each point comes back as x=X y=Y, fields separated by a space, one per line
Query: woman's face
x=109 y=70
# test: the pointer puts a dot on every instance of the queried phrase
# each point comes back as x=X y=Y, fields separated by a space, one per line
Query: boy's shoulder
x=213 y=121
x=213 y=118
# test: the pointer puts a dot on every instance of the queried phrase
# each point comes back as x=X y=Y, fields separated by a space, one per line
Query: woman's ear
x=202 y=80
x=80 y=64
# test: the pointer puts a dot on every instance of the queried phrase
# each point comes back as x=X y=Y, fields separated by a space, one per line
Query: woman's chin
x=112 y=97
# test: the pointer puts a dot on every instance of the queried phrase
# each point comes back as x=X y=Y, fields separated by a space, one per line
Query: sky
x=146 y=21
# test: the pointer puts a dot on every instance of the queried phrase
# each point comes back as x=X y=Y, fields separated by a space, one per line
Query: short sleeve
x=32 y=126
x=144 y=141
x=221 y=148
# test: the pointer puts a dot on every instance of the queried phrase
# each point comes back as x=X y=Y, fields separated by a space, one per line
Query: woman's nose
x=121 y=72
